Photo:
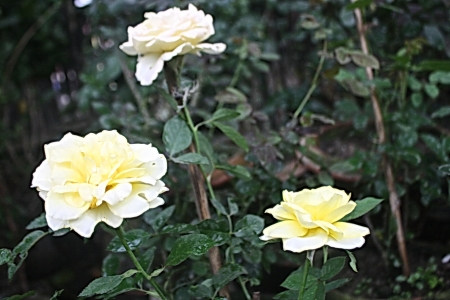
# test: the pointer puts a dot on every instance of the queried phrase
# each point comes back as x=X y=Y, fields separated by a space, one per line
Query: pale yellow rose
x=167 y=34
x=309 y=219
x=98 y=178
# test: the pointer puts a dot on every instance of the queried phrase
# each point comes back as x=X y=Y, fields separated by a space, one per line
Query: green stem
x=325 y=254
x=305 y=276
x=120 y=233
x=313 y=84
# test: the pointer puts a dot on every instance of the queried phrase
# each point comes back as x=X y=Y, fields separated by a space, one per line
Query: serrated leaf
x=110 y=265
x=178 y=228
x=352 y=261
x=157 y=218
x=176 y=136
x=103 y=285
x=133 y=238
x=364 y=60
x=5 y=256
x=441 y=112
x=336 y=284
x=249 y=225
x=362 y=207
x=239 y=171
x=185 y=246
x=235 y=136
x=20 y=297
x=224 y=114
x=56 y=295
x=191 y=158
x=38 y=222
x=227 y=274
x=332 y=267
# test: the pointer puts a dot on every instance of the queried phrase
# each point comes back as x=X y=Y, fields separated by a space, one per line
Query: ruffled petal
x=149 y=191
x=216 y=48
x=56 y=224
x=117 y=193
x=157 y=168
x=340 y=212
x=346 y=243
x=148 y=67
x=130 y=207
x=86 y=223
x=280 y=212
x=42 y=177
x=128 y=48
x=313 y=240
x=144 y=153
x=57 y=207
x=156 y=202
x=351 y=230
x=285 y=229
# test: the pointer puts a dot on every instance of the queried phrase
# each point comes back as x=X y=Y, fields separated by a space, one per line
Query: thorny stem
x=394 y=199
x=120 y=233
x=313 y=84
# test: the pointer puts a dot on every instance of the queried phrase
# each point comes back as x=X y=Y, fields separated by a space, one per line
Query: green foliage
x=103 y=285
x=187 y=245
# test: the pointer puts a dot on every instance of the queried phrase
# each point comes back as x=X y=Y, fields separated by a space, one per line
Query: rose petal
x=313 y=240
x=130 y=207
x=285 y=229
x=85 y=224
x=57 y=207
x=42 y=177
x=148 y=68
x=117 y=193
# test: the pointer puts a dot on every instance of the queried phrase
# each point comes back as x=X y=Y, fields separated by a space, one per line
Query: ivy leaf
x=103 y=285
x=235 y=136
x=38 y=222
x=362 y=207
x=332 y=267
x=176 y=136
x=227 y=274
x=191 y=158
x=187 y=245
x=133 y=238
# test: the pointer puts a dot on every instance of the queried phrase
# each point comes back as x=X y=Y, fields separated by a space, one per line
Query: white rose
x=98 y=178
x=166 y=34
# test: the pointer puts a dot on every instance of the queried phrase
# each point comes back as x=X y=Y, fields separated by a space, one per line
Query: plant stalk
x=120 y=233
x=394 y=199
x=306 y=267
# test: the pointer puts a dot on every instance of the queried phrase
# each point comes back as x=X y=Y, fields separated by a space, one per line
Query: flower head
x=309 y=219
x=98 y=178
x=167 y=34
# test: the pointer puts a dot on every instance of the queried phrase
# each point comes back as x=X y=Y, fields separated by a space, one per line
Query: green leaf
x=441 y=112
x=439 y=77
x=133 y=238
x=157 y=219
x=431 y=90
x=103 y=285
x=171 y=100
x=342 y=55
x=444 y=170
x=176 y=136
x=332 y=267
x=191 y=158
x=61 y=232
x=206 y=147
x=294 y=280
x=352 y=261
x=235 y=136
x=249 y=225
x=157 y=272
x=5 y=256
x=239 y=171
x=224 y=114
x=336 y=284
x=287 y=295
x=201 y=291
x=217 y=230
x=227 y=274
x=433 y=65
x=356 y=87
x=178 y=228
x=38 y=222
x=362 y=207
x=20 y=297
x=364 y=60
x=416 y=99
x=110 y=265
x=315 y=291
x=146 y=258
x=56 y=295
x=187 y=245
x=435 y=145
x=414 y=84
x=231 y=95
x=233 y=207
x=358 y=4
x=22 y=250
x=218 y=206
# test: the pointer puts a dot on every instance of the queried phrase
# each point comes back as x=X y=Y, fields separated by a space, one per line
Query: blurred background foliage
x=62 y=71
